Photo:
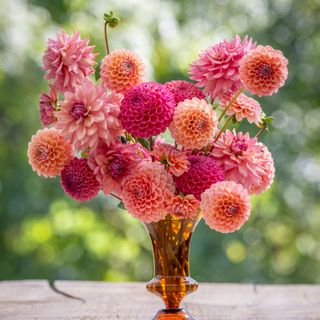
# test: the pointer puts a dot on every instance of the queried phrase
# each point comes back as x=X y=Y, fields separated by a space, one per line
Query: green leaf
x=144 y=142
x=97 y=70
x=121 y=205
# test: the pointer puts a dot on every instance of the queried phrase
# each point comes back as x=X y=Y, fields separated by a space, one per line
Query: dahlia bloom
x=183 y=207
x=202 y=173
x=244 y=160
x=243 y=107
x=175 y=161
x=263 y=71
x=121 y=70
x=68 y=60
x=49 y=152
x=146 y=191
x=47 y=106
x=183 y=90
x=147 y=109
x=217 y=68
x=89 y=115
x=112 y=164
x=225 y=206
x=194 y=123
x=79 y=181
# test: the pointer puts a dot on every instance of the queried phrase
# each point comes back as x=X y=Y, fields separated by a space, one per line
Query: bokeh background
x=44 y=234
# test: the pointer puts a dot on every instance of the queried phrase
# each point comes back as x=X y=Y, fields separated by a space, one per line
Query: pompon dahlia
x=112 y=164
x=68 y=60
x=217 y=68
x=194 y=123
x=146 y=191
x=183 y=207
x=183 y=90
x=225 y=206
x=147 y=109
x=244 y=160
x=202 y=173
x=49 y=152
x=47 y=106
x=121 y=70
x=243 y=107
x=79 y=181
x=175 y=161
x=263 y=71
x=89 y=115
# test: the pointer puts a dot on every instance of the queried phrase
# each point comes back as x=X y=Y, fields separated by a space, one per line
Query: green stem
x=230 y=104
x=222 y=129
x=261 y=130
x=106 y=36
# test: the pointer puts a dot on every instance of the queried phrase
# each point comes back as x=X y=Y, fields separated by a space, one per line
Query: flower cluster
x=107 y=136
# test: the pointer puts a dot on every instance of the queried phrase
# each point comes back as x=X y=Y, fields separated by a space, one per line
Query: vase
x=170 y=239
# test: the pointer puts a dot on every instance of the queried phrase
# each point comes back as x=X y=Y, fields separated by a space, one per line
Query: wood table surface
x=37 y=299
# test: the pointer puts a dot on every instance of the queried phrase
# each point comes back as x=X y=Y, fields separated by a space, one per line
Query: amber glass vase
x=172 y=282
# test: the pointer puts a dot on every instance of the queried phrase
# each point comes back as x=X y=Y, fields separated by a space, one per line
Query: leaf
x=144 y=142
x=121 y=205
x=97 y=70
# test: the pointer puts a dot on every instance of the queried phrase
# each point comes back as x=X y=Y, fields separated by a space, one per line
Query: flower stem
x=114 y=195
x=222 y=129
x=261 y=130
x=106 y=36
x=230 y=104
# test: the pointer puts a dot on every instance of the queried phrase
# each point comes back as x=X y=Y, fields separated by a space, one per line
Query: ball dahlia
x=146 y=191
x=225 y=206
x=89 y=115
x=49 y=152
x=79 y=181
x=263 y=70
x=183 y=207
x=47 y=106
x=121 y=70
x=202 y=173
x=194 y=123
x=244 y=160
x=68 y=60
x=217 y=68
x=147 y=109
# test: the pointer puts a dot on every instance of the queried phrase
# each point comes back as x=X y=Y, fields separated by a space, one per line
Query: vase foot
x=173 y=314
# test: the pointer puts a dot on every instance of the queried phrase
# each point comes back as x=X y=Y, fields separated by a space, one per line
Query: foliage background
x=44 y=234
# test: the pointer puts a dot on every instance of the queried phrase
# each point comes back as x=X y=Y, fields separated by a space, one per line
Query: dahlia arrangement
x=104 y=126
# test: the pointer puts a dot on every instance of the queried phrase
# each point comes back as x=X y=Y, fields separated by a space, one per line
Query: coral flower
x=49 y=152
x=114 y=163
x=146 y=191
x=121 y=70
x=174 y=160
x=79 y=181
x=47 y=106
x=147 y=109
x=194 y=123
x=243 y=108
x=89 y=115
x=68 y=60
x=263 y=70
x=225 y=206
x=244 y=160
x=202 y=173
x=217 y=68
x=183 y=207
x=183 y=90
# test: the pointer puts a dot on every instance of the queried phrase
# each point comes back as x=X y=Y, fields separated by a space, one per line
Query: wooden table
x=68 y=300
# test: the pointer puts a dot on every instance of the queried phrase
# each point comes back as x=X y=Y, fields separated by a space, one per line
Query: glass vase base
x=173 y=314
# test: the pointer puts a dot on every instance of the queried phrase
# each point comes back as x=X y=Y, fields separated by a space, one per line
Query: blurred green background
x=44 y=234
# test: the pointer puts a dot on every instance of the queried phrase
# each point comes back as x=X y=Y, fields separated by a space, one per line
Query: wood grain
x=29 y=299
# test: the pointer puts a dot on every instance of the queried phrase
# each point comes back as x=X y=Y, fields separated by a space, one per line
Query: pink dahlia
x=49 y=152
x=194 y=123
x=47 y=105
x=175 y=161
x=68 y=60
x=183 y=207
x=183 y=90
x=202 y=173
x=263 y=71
x=112 y=164
x=147 y=109
x=243 y=108
x=225 y=206
x=121 y=70
x=89 y=115
x=146 y=191
x=79 y=181
x=217 y=68
x=244 y=160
